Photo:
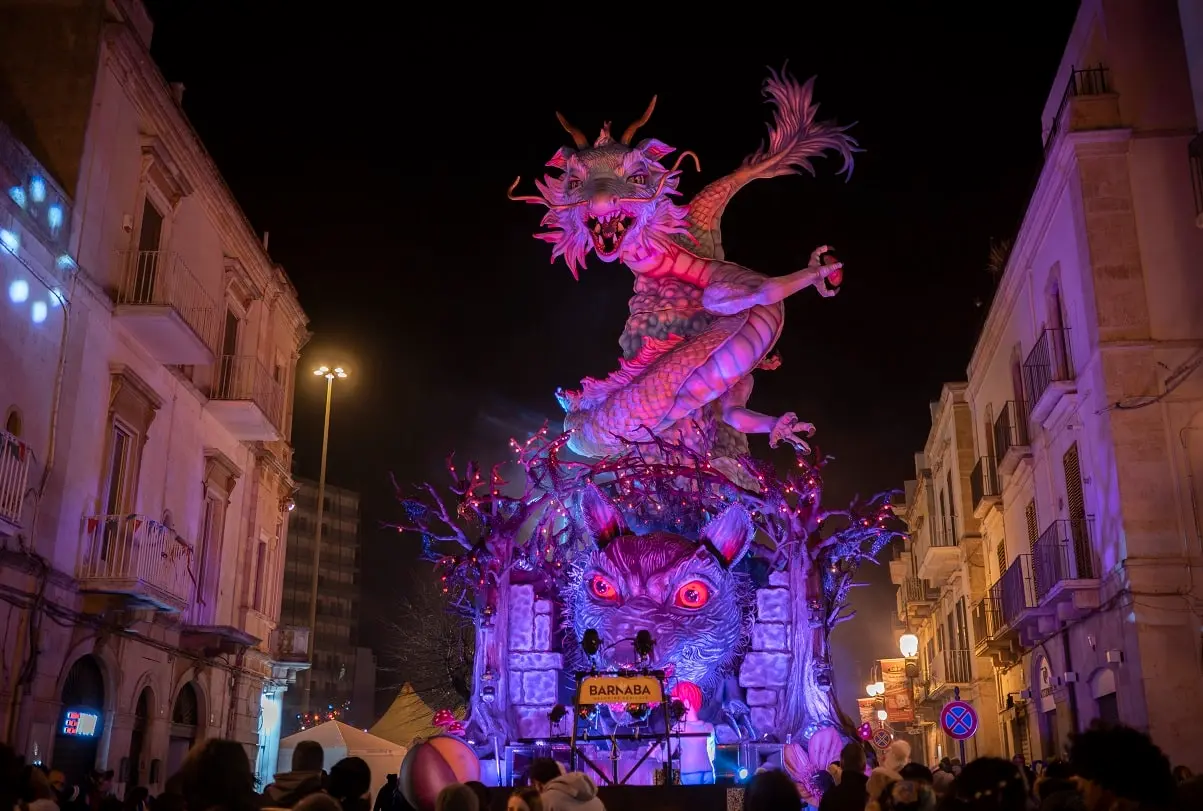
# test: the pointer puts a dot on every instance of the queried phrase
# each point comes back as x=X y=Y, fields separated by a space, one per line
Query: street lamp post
x=330 y=375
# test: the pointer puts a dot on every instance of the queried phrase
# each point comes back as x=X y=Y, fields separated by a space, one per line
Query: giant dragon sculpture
x=670 y=526
x=699 y=324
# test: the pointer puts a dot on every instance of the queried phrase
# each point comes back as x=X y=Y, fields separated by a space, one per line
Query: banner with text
x=900 y=706
x=620 y=690
x=868 y=710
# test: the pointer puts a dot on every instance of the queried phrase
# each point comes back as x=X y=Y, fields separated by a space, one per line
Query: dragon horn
x=634 y=128
x=578 y=137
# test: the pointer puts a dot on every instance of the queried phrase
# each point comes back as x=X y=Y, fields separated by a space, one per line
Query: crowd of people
x=1107 y=769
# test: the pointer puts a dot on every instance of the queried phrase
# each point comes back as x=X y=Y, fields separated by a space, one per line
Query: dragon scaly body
x=699 y=325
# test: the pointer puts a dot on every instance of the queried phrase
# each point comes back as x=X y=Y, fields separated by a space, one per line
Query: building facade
x=1086 y=402
x=940 y=574
x=335 y=657
x=149 y=347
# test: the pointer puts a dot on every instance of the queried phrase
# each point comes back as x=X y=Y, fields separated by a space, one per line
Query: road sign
x=882 y=738
x=959 y=720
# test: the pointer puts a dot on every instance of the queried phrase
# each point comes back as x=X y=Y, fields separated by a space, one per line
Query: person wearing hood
x=573 y=791
x=307 y=777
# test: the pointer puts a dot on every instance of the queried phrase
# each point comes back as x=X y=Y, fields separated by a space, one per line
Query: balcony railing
x=245 y=379
x=987 y=620
x=1011 y=428
x=162 y=279
x=1047 y=363
x=14 y=474
x=44 y=206
x=1013 y=592
x=957 y=669
x=983 y=481
x=1062 y=552
x=916 y=590
x=1086 y=82
x=1195 y=152
x=137 y=556
x=942 y=534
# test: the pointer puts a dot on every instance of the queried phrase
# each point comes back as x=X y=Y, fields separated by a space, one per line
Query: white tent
x=340 y=740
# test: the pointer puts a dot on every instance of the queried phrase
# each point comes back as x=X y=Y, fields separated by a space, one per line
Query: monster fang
x=608 y=230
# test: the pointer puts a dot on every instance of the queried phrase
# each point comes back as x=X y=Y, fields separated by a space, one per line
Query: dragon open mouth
x=607 y=230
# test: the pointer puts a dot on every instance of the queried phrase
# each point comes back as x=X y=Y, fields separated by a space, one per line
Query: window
x=12 y=423
x=1002 y=557
x=1108 y=706
x=132 y=408
x=117 y=487
x=221 y=476
x=260 y=575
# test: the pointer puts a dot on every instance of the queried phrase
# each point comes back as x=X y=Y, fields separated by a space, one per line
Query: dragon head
x=610 y=197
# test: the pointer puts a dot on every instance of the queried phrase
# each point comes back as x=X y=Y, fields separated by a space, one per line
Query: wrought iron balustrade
x=1062 y=552
x=983 y=481
x=1011 y=427
x=1048 y=362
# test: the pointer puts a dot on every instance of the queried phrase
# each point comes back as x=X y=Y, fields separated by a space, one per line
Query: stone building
x=1087 y=403
x=940 y=575
x=149 y=345
x=335 y=657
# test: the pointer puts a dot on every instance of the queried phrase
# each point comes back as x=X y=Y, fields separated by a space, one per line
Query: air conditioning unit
x=1026 y=695
x=1114 y=657
x=1069 y=677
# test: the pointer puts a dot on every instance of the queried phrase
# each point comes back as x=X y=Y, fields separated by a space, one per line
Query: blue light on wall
x=81 y=723
x=18 y=291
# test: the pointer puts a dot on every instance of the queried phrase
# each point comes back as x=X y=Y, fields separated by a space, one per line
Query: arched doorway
x=185 y=720
x=77 y=739
x=136 y=773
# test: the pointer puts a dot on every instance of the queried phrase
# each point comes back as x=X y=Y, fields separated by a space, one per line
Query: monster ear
x=560 y=159
x=729 y=534
x=655 y=150
x=601 y=517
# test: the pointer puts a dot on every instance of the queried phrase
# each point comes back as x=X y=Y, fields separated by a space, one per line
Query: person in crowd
x=1182 y=774
x=574 y=791
x=137 y=799
x=1189 y=796
x=384 y=797
x=987 y=784
x=172 y=798
x=879 y=779
x=100 y=792
x=942 y=777
x=216 y=776
x=524 y=799
x=38 y=794
x=70 y=797
x=10 y=777
x=852 y=792
x=307 y=777
x=456 y=797
x=918 y=773
x=482 y=794
x=317 y=802
x=897 y=755
x=350 y=783
x=1055 y=789
x=833 y=769
x=1120 y=769
x=904 y=795
x=772 y=791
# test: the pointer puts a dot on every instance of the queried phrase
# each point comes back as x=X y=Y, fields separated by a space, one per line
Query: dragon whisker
x=669 y=175
x=697 y=162
x=536 y=199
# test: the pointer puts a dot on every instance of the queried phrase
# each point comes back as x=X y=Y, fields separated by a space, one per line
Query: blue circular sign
x=959 y=720
x=882 y=738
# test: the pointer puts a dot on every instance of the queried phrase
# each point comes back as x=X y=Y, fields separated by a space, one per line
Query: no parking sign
x=959 y=720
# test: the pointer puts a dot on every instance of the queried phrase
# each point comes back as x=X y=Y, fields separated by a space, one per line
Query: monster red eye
x=693 y=594
x=602 y=588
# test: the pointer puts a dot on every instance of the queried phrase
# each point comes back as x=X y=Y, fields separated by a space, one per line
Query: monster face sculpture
x=682 y=591
x=611 y=197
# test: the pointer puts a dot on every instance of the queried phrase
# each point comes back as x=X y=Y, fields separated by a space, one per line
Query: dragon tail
x=795 y=136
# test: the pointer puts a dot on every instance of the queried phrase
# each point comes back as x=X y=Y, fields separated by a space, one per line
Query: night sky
x=376 y=149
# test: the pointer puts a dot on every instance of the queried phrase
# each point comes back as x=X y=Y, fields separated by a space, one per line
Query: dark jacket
x=289 y=788
x=850 y=795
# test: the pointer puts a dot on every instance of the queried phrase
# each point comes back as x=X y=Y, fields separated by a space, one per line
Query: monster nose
x=604 y=201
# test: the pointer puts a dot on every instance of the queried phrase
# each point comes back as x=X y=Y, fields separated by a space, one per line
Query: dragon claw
x=787 y=429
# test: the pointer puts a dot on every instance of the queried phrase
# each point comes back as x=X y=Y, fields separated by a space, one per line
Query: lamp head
x=330 y=373
x=908 y=644
x=591 y=642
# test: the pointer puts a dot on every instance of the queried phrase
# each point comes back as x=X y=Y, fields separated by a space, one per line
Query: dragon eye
x=693 y=594
x=639 y=180
x=574 y=184
x=602 y=588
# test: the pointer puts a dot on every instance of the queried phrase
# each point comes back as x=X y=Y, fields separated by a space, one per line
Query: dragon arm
x=732 y=289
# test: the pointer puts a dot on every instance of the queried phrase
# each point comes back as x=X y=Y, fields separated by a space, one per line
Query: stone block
x=764 y=719
x=779 y=579
x=536 y=661
x=765 y=670
x=533 y=721
x=758 y=697
x=542 y=640
x=542 y=606
x=539 y=686
x=770 y=636
x=515 y=683
x=773 y=605
x=522 y=606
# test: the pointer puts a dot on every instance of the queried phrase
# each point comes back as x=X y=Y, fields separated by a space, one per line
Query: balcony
x=44 y=207
x=289 y=651
x=951 y=669
x=997 y=618
x=937 y=551
x=166 y=308
x=1011 y=442
x=916 y=598
x=1048 y=373
x=985 y=487
x=1064 y=575
x=14 y=474
x=1088 y=103
x=1195 y=153
x=988 y=637
x=135 y=556
x=247 y=400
